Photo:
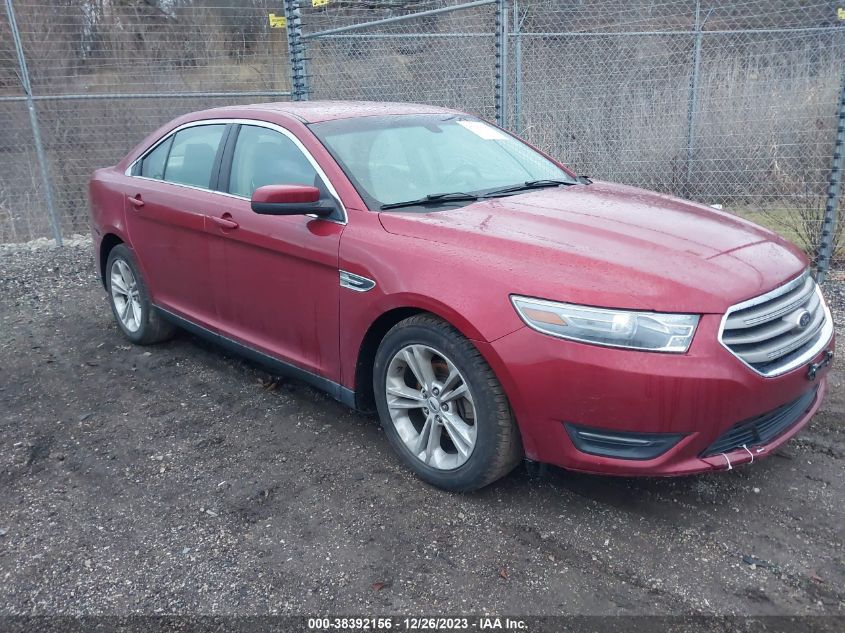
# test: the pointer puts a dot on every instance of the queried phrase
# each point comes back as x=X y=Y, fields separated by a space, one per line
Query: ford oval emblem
x=799 y=319
x=804 y=320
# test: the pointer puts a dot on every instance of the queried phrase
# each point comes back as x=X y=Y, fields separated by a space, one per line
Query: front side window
x=192 y=155
x=267 y=157
x=396 y=158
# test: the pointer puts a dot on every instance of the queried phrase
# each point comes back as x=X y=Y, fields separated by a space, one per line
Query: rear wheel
x=442 y=407
x=130 y=300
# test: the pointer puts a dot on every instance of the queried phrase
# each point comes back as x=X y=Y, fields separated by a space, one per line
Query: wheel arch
x=381 y=325
x=109 y=241
x=364 y=396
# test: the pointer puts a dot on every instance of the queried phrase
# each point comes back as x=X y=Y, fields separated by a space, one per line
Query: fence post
x=502 y=63
x=692 y=102
x=517 y=69
x=36 y=130
x=296 y=51
x=834 y=188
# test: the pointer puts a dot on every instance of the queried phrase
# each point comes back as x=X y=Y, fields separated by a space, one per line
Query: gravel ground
x=177 y=479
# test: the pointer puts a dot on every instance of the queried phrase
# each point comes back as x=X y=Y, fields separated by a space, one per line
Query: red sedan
x=486 y=301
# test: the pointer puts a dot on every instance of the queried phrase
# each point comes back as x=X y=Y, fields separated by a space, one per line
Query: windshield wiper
x=528 y=184
x=432 y=198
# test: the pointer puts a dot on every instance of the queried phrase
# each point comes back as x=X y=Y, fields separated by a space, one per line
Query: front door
x=279 y=273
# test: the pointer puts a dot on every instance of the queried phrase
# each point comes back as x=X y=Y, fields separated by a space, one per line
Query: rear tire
x=130 y=302
x=442 y=407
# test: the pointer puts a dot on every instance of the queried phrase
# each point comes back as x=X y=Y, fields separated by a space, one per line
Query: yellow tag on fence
x=319 y=3
x=840 y=13
x=277 y=21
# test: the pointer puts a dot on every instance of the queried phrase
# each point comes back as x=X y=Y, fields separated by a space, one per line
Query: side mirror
x=290 y=200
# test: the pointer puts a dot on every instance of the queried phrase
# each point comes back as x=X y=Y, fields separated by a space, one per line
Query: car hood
x=612 y=245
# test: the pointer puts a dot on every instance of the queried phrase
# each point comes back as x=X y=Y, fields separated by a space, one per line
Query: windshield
x=393 y=159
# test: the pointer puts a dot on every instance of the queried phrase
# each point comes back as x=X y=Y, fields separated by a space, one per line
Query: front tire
x=442 y=407
x=130 y=300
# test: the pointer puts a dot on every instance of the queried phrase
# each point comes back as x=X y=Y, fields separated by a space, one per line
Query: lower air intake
x=764 y=428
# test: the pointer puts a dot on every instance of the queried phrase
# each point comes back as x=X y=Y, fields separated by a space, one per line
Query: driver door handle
x=224 y=222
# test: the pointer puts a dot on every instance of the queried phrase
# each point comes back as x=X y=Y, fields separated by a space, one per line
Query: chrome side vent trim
x=355 y=282
x=780 y=330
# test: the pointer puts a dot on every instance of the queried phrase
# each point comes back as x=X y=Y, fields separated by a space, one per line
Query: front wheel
x=442 y=407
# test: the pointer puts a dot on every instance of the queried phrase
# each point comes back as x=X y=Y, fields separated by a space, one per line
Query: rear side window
x=153 y=164
x=192 y=155
x=266 y=157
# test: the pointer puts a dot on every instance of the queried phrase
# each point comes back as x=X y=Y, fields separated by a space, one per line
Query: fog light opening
x=621 y=444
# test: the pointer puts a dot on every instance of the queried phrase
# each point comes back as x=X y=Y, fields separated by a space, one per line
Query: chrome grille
x=780 y=330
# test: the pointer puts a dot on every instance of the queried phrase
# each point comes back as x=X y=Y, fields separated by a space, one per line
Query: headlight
x=652 y=331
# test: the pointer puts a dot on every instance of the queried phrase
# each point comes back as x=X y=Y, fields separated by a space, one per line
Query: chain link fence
x=730 y=103
x=437 y=56
x=727 y=103
x=104 y=74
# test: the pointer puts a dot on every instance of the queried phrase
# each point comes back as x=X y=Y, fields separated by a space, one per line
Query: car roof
x=315 y=111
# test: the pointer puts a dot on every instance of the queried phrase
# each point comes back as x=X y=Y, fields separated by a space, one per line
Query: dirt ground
x=178 y=479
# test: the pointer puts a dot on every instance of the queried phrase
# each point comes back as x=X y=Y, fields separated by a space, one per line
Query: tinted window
x=266 y=157
x=192 y=155
x=153 y=164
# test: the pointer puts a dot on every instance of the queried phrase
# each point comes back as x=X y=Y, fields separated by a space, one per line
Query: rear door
x=280 y=273
x=168 y=199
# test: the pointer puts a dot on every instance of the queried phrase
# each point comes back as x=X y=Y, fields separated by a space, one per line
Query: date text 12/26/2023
x=485 y=623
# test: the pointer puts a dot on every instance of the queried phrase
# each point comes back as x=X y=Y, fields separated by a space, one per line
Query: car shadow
x=644 y=496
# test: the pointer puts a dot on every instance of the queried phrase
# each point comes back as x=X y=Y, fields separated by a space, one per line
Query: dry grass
x=798 y=224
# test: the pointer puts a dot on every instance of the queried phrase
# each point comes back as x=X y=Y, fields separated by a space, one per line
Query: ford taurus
x=486 y=301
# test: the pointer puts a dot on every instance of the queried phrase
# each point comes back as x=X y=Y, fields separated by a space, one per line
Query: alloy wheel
x=126 y=295
x=431 y=407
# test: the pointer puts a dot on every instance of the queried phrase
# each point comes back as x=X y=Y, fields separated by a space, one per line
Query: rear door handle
x=136 y=201
x=225 y=223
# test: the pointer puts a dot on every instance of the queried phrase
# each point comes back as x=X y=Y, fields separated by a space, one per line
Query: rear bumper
x=700 y=395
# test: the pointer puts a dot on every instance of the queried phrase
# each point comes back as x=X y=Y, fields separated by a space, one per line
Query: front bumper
x=701 y=394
